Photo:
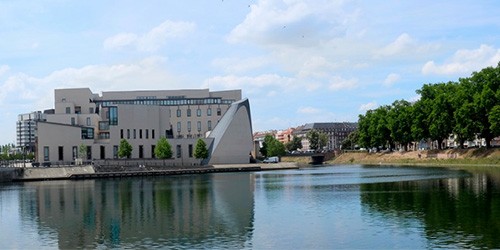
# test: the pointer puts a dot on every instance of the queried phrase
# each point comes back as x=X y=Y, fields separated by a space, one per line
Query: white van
x=273 y=159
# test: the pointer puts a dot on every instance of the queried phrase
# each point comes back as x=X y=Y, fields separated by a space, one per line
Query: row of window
x=78 y=110
x=167 y=102
x=136 y=134
x=189 y=128
x=102 y=152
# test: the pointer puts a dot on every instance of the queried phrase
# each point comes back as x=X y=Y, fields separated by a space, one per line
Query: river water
x=315 y=208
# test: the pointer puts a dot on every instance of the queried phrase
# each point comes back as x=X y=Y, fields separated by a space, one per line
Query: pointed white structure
x=232 y=137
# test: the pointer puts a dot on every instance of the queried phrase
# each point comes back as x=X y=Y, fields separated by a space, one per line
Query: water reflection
x=461 y=212
x=185 y=211
x=317 y=208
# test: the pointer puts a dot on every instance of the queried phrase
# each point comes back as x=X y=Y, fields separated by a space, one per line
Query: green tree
x=201 y=151
x=82 y=152
x=487 y=82
x=294 y=144
x=163 y=150
x=400 y=121
x=124 y=149
x=351 y=140
x=494 y=119
x=438 y=105
x=272 y=147
x=313 y=138
x=466 y=123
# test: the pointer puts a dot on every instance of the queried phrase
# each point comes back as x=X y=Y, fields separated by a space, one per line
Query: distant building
x=99 y=122
x=26 y=132
x=258 y=138
x=336 y=131
x=285 y=136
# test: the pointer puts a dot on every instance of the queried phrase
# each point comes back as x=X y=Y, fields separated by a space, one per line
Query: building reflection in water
x=194 y=211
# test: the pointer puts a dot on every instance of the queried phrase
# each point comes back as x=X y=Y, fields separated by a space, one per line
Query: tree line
x=468 y=108
x=163 y=149
x=273 y=147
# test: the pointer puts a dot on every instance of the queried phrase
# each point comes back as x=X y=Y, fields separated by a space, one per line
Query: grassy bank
x=480 y=156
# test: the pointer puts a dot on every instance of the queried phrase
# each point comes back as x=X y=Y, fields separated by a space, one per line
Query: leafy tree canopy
x=124 y=149
x=201 y=151
x=163 y=150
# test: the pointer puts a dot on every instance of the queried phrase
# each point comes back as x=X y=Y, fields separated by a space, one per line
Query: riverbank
x=476 y=156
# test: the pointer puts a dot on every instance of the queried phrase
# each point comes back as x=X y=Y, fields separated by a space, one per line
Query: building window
x=115 y=151
x=46 y=153
x=89 y=152
x=209 y=125
x=113 y=115
x=61 y=153
x=141 y=151
x=128 y=133
x=88 y=121
x=103 y=152
x=178 y=112
x=140 y=133
x=153 y=147
x=91 y=110
x=152 y=133
x=198 y=112
x=74 y=150
x=68 y=110
x=179 y=151
x=147 y=133
x=189 y=126
x=219 y=112
x=179 y=127
x=121 y=133
x=73 y=121
x=87 y=133
x=209 y=112
x=134 y=133
x=190 y=150
x=199 y=126
x=189 y=112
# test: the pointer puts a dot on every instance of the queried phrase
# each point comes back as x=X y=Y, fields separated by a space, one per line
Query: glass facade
x=113 y=116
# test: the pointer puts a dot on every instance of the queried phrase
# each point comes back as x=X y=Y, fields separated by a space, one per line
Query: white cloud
x=235 y=65
x=405 y=45
x=368 y=106
x=120 y=40
x=152 y=40
x=294 y=22
x=249 y=83
x=148 y=73
x=465 y=61
x=308 y=110
x=339 y=83
x=391 y=79
x=4 y=69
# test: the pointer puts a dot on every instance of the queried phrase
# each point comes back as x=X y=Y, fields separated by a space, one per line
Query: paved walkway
x=263 y=166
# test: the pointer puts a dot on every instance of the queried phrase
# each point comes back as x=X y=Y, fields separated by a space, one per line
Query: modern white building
x=99 y=122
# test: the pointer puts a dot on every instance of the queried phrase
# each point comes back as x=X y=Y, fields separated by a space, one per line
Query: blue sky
x=297 y=61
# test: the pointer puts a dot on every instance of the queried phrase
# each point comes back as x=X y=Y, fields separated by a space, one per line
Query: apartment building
x=26 y=130
x=336 y=132
x=99 y=122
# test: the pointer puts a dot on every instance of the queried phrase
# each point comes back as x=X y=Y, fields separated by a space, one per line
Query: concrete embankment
x=88 y=172
x=8 y=174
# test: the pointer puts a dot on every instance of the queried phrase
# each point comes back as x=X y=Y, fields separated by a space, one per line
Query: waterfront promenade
x=92 y=172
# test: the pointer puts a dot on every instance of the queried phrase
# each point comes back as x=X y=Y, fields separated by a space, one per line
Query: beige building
x=99 y=122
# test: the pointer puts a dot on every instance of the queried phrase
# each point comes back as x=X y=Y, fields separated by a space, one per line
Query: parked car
x=273 y=159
